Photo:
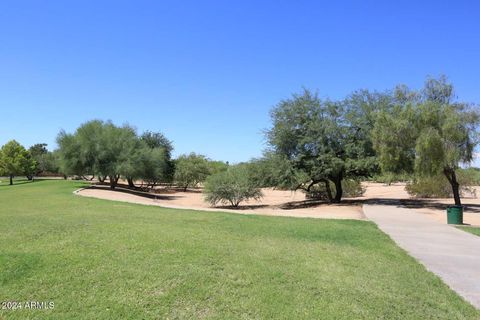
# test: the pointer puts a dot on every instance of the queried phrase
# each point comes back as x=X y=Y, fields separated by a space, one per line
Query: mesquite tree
x=190 y=170
x=320 y=141
x=106 y=150
x=428 y=133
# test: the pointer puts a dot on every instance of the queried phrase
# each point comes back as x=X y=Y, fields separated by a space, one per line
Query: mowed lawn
x=99 y=259
x=473 y=230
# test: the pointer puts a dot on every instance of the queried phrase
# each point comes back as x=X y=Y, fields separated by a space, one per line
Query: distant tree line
x=324 y=147
x=106 y=152
x=111 y=152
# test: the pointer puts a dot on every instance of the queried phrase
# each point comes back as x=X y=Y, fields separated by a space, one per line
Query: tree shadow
x=243 y=207
x=420 y=204
x=148 y=195
x=405 y=203
x=178 y=189
x=312 y=203
x=15 y=183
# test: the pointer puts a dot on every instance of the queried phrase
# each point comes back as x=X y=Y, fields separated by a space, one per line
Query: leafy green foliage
x=473 y=175
x=323 y=140
x=103 y=149
x=152 y=165
x=231 y=187
x=38 y=149
x=15 y=160
x=80 y=151
x=118 y=145
x=274 y=170
x=390 y=177
x=157 y=141
x=427 y=134
x=217 y=166
x=438 y=186
x=351 y=189
x=429 y=187
x=393 y=138
x=190 y=170
x=47 y=162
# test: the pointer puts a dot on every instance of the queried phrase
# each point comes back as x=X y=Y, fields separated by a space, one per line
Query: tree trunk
x=113 y=182
x=11 y=179
x=338 y=190
x=101 y=179
x=185 y=188
x=130 y=182
x=329 y=191
x=452 y=178
x=311 y=185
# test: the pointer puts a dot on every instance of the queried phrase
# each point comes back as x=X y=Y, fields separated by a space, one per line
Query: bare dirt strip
x=294 y=204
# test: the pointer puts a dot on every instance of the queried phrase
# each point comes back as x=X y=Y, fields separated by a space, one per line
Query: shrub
x=439 y=187
x=231 y=187
x=472 y=175
x=351 y=188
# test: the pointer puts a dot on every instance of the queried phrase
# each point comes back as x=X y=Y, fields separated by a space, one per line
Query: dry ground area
x=274 y=202
x=288 y=203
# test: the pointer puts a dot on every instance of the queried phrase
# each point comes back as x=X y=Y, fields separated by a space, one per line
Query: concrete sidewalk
x=452 y=254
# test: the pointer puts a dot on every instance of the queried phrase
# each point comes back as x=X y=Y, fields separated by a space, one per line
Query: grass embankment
x=98 y=259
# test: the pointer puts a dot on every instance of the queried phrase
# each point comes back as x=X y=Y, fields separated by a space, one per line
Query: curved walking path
x=450 y=253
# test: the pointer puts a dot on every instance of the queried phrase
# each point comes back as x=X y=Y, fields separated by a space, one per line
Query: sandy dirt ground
x=294 y=204
x=274 y=202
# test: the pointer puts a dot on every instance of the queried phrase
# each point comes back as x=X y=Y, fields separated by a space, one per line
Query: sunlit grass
x=98 y=259
x=473 y=230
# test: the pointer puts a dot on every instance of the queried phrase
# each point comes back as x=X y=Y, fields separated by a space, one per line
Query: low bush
x=472 y=175
x=439 y=187
x=231 y=187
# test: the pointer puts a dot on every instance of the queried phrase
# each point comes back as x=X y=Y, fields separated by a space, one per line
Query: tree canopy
x=46 y=161
x=191 y=169
x=321 y=141
x=15 y=160
x=106 y=150
x=427 y=133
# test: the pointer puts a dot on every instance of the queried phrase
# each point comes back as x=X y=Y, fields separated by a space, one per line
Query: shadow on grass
x=15 y=183
x=244 y=207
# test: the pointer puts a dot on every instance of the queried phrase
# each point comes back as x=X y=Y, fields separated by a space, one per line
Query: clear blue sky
x=206 y=73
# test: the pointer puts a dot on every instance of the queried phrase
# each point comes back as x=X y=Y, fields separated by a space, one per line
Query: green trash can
x=455 y=215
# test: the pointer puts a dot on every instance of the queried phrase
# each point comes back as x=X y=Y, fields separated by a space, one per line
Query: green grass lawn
x=98 y=259
x=474 y=230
